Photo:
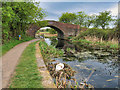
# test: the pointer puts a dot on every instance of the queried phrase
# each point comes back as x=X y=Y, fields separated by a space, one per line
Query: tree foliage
x=104 y=19
x=89 y=20
x=67 y=17
x=16 y=16
x=80 y=18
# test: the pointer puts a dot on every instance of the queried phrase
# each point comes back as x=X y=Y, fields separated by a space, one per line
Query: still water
x=103 y=64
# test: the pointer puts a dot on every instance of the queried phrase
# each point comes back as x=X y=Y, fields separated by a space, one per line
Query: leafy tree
x=95 y=22
x=16 y=17
x=89 y=20
x=104 y=18
x=80 y=18
x=67 y=17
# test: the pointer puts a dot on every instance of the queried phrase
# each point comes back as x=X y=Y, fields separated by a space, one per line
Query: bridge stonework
x=63 y=29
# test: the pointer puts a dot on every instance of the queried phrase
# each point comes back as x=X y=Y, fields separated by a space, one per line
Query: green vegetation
x=13 y=42
x=80 y=18
x=49 y=51
x=52 y=31
x=99 y=33
x=43 y=23
x=27 y=74
x=98 y=38
x=17 y=16
x=67 y=17
x=104 y=19
x=95 y=45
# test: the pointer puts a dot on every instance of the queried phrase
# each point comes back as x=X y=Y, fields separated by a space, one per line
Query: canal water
x=102 y=64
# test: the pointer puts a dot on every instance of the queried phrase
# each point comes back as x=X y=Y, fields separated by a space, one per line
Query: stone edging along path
x=47 y=80
x=10 y=60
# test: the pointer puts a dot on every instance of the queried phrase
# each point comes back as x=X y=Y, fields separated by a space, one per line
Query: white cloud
x=114 y=10
x=90 y=14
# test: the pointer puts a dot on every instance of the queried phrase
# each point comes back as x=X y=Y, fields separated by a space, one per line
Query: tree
x=89 y=20
x=104 y=18
x=67 y=17
x=80 y=18
x=16 y=16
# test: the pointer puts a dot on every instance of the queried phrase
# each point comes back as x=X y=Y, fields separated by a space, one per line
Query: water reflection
x=60 y=43
x=84 y=61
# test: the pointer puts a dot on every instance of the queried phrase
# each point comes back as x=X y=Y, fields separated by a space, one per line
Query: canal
x=99 y=67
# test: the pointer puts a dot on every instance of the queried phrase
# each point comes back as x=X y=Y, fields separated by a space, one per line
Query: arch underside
x=60 y=32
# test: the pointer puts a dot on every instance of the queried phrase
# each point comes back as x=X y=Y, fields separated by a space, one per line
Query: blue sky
x=55 y=9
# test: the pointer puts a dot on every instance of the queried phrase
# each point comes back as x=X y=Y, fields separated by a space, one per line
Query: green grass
x=9 y=45
x=26 y=73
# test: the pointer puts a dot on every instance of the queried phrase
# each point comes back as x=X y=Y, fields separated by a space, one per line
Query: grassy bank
x=26 y=73
x=95 y=38
x=99 y=33
x=97 y=45
x=49 y=51
x=8 y=45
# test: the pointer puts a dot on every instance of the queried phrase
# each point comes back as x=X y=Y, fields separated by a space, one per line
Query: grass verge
x=8 y=45
x=26 y=73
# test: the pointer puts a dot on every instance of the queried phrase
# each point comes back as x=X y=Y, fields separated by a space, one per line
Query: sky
x=55 y=8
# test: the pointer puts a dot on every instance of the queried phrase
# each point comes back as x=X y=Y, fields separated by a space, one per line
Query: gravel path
x=10 y=60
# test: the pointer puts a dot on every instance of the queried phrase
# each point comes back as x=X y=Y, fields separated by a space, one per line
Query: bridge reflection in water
x=60 y=43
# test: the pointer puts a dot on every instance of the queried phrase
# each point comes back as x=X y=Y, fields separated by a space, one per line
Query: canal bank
x=47 y=81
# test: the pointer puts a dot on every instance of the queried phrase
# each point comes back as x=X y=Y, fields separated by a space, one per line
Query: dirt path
x=10 y=60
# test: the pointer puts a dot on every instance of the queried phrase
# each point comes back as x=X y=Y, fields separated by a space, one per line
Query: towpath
x=10 y=60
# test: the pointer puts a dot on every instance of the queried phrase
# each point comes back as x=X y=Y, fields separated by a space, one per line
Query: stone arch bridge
x=63 y=29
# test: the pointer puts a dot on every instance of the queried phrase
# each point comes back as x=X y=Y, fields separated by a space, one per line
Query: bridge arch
x=63 y=29
x=59 y=32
